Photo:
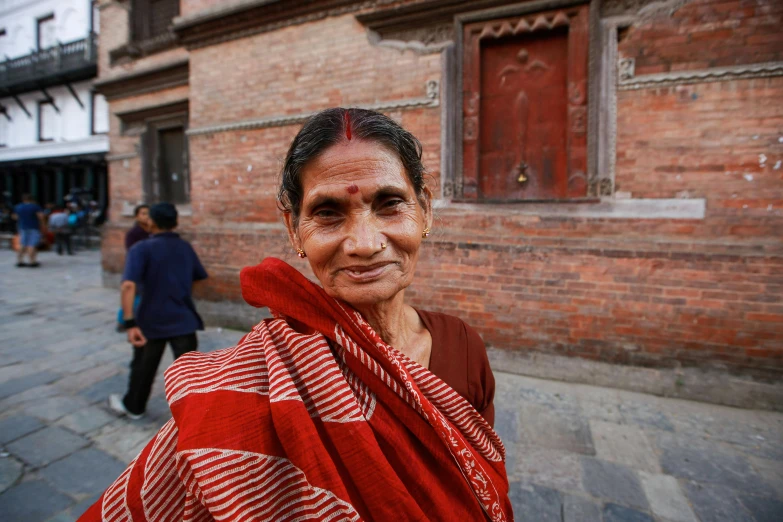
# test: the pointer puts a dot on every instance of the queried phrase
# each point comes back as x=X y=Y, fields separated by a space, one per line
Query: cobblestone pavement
x=574 y=452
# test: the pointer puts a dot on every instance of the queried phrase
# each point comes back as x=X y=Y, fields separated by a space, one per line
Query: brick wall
x=653 y=292
x=707 y=33
x=720 y=141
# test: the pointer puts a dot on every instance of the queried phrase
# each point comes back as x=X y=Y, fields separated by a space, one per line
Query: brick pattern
x=707 y=33
x=297 y=69
x=113 y=31
x=648 y=308
x=721 y=141
x=649 y=292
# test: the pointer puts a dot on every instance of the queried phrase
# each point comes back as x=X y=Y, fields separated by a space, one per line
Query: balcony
x=63 y=63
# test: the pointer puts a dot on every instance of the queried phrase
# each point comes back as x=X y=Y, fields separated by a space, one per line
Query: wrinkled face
x=357 y=198
x=144 y=218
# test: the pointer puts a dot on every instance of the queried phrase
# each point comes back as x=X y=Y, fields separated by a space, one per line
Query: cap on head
x=164 y=215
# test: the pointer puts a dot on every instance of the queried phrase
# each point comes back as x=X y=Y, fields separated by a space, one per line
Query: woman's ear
x=289 y=225
x=426 y=195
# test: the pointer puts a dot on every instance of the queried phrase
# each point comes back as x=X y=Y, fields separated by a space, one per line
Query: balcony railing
x=63 y=63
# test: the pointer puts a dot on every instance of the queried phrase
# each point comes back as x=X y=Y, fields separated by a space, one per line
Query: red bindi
x=352 y=189
x=348 y=127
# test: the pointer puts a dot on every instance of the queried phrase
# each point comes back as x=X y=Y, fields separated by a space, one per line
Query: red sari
x=310 y=417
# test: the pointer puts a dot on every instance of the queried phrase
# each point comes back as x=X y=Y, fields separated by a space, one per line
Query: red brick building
x=608 y=172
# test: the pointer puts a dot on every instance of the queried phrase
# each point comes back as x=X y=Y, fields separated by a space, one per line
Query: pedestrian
x=58 y=223
x=29 y=221
x=165 y=266
x=138 y=232
x=141 y=226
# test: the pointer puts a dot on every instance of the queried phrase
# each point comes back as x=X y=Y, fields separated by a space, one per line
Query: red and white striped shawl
x=329 y=425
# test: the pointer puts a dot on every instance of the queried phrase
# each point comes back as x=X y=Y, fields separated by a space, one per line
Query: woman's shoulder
x=443 y=325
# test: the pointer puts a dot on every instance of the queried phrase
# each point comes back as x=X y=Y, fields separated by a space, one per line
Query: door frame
x=575 y=18
x=599 y=183
x=167 y=125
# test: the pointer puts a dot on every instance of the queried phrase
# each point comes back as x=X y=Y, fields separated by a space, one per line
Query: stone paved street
x=574 y=452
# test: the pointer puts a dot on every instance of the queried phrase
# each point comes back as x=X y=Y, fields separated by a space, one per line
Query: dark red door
x=525 y=107
x=524 y=117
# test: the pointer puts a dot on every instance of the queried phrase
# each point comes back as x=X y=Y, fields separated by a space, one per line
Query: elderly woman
x=349 y=404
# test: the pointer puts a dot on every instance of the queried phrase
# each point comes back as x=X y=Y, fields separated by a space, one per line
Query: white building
x=53 y=127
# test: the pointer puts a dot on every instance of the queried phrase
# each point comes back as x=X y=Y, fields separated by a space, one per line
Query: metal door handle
x=522 y=171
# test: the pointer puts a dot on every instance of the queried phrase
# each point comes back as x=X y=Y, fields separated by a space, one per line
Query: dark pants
x=63 y=241
x=145 y=364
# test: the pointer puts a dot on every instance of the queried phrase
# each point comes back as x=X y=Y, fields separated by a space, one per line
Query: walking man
x=58 y=223
x=165 y=266
x=29 y=220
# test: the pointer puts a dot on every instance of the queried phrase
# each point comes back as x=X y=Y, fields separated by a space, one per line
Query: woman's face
x=357 y=197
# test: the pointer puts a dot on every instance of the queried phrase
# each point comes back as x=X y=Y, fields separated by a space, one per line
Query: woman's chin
x=362 y=295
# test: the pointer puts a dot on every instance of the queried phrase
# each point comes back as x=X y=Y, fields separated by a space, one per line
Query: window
x=524 y=126
x=47 y=120
x=173 y=182
x=165 y=162
x=46 y=33
x=151 y=18
x=164 y=150
x=100 y=114
x=3 y=128
x=95 y=18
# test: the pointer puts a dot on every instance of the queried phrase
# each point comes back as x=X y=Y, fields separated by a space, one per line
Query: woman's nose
x=364 y=237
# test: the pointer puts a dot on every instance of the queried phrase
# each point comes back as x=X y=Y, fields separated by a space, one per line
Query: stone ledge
x=703 y=385
x=142 y=81
x=431 y=99
x=604 y=209
x=713 y=74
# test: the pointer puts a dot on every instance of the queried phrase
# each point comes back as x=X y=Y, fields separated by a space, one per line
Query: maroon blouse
x=459 y=358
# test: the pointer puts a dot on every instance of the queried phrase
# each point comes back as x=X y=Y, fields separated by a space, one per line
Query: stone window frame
x=139 y=10
x=139 y=46
x=93 y=114
x=47 y=18
x=601 y=98
x=40 y=120
x=150 y=142
x=145 y=123
x=4 y=127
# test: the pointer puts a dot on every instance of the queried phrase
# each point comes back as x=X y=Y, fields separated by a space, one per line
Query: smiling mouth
x=366 y=273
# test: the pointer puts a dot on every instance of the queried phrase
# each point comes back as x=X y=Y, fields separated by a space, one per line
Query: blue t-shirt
x=27 y=214
x=165 y=266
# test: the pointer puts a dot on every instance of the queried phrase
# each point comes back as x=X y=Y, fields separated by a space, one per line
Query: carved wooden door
x=524 y=104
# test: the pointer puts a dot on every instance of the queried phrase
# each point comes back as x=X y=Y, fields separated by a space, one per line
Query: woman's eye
x=325 y=213
x=391 y=203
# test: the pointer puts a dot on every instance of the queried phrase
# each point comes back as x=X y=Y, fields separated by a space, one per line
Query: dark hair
x=328 y=127
x=27 y=197
x=138 y=209
x=164 y=215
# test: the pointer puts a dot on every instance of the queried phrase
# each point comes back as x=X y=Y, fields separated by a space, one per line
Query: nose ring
x=383 y=246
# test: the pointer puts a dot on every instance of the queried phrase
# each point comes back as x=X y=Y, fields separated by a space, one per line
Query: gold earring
x=426 y=232
x=383 y=246
x=301 y=253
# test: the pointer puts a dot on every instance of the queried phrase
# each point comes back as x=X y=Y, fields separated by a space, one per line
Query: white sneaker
x=116 y=404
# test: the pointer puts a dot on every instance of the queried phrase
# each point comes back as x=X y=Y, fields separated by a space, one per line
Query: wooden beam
x=4 y=112
x=50 y=100
x=75 y=96
x=21 y=105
